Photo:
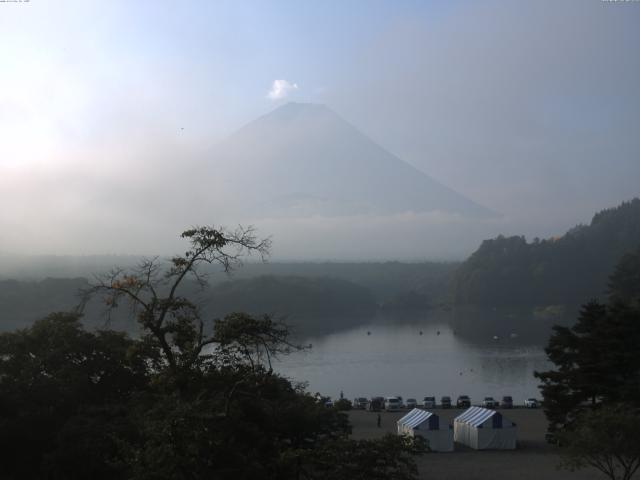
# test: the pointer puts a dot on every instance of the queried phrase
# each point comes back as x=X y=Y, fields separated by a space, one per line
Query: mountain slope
x=304 y=160
x=567 y=270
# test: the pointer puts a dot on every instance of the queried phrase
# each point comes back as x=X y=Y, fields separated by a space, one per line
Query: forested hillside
x=391 y=283
x=308 y=304
x=23 y=302
x=311 y=296
x=555 y=271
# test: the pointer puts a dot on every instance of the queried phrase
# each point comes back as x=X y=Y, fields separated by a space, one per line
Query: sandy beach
x=534 y=459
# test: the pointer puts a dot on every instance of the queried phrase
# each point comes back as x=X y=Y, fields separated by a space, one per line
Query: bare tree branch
x=151 y=290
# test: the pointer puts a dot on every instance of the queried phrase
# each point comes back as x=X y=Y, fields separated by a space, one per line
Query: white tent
x=427 y=425
x=482 y=429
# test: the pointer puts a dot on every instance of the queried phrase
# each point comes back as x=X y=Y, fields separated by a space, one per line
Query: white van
x=392 y=404
x=429 y=402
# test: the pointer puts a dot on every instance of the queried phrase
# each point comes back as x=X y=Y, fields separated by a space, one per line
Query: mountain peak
x=295 y=111
x=301 y=105
x=303 y=159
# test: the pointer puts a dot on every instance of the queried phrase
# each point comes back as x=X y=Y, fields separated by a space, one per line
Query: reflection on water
x=398 y=360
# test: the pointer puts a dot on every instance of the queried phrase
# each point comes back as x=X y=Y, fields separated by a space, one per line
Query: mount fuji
x=303 y=160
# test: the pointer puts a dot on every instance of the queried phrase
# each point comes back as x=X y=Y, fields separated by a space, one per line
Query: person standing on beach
x=379 y=421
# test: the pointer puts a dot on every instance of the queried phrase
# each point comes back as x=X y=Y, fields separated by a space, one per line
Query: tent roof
x=414 y=411
x=415 y=417
x=475 y=416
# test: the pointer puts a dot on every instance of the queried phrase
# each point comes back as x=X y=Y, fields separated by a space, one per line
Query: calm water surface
x=397 y=360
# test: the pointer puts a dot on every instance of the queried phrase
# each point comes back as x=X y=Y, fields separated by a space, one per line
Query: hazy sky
x=531 y=109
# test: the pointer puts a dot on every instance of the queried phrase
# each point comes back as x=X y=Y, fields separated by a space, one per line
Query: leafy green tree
x=170 y=322
x=191 y=398
x=577 y=378
x=390 y=458
x=214 y=407
x=60 y=384
x=233 y=418
x=597 y=359
x=607 y=438
x=624 y=283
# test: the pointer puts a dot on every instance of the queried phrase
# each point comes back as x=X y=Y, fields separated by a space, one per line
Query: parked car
x=445 y=402
x=360 y=403
x=376 y=404
x=507 y=401
x=392 y=404
x=429 y=402
x=463 y=401
x=531 y=403
x=411 y=403
x=489 y=402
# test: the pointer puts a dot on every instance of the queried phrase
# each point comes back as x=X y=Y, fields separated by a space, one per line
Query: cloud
x=367 y=238
x=281 y=89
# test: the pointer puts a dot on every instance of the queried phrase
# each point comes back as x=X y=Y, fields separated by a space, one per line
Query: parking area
x=534 y=459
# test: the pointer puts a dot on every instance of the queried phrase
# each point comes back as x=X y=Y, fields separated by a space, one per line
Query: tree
x=607 y=438
x=192 y=398
x=390 y=458
x=171 y=322
x=580 y=376
x=596 y=359
x=624 y=283
x=592 y=398
x=214 y=408
x=561 y=270
x=59 y=383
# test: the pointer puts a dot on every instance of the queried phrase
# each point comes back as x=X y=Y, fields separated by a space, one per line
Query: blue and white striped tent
x=482 y=429
x=427 y=425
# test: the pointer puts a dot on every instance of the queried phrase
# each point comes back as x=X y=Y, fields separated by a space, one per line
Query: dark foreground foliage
x=75 y=404
x=597 y=360
x=606 y=438
x=592 y=398
x=190 y=399
x=390 y=458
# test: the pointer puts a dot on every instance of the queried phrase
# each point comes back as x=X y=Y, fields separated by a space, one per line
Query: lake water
x=378 y=360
